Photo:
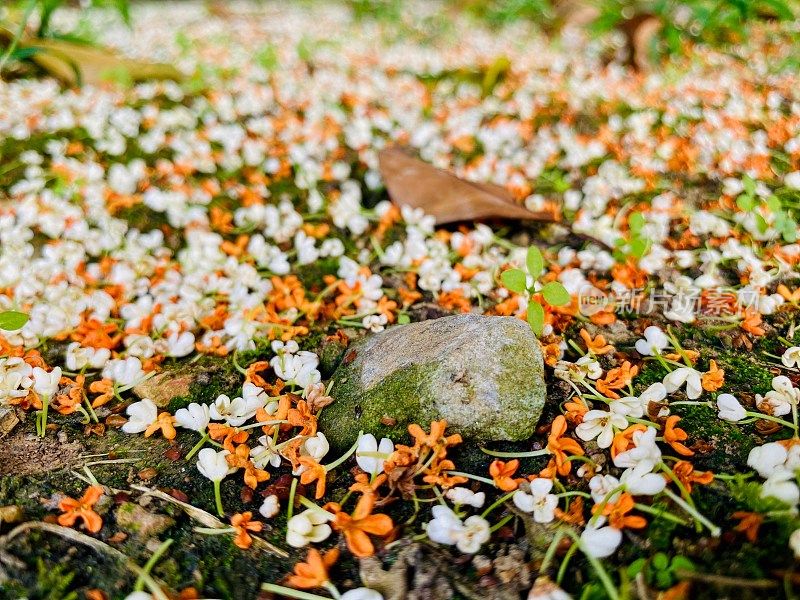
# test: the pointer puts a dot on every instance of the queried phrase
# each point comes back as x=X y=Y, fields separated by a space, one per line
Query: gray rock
x=484 y=375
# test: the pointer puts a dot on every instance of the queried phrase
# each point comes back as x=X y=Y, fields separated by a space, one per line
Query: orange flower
x=229 y=435
x=714 y=378
x=559 y=446
x=691 y=355
x=574 y=514
x=617 y=513
x=252 y=376
x=575 y=410
x=435 y=440
x=67 y=403
x=241 y=459
x=362 y=522
x=314 y=472
x=95 y=334
x=674 y=436
x=104 y=387
x=502 y=473
x=749 y=524
x=752 y=323
x=597 y=345
x=82 y=509
x=616 y=379
x=301 y=416
x=437 y=474
x=623 y=439
x=166 y=423
x=314 y=572
x=242 y=523
x=686 y=474
x=789 y=296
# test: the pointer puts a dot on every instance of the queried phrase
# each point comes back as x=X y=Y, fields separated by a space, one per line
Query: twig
x=81 y=538
x=206 y=518
x=725 y=581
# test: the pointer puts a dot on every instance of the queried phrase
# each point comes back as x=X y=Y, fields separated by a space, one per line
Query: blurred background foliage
x=651 y=30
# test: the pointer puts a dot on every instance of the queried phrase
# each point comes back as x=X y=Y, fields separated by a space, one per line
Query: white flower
x=180 y=344
x=655 y=340
x=299 y=369
x=127 y=372
x=545 y=589
x=465 y=496
x=77 y=357
x=444 y=527
x=270 y=507
x=141 y=415
x=138 y=596
x=254 y=395
x=792 y=180
x=315 y=446
x=767 y=458
x=473 y=535
x=213 y=464
x=590 y=366
x=729 y=408
x=780 y=399
x=600 y=424
x=195 y=416
x=598 y=541
x=655 y=393
x=794 y=542
x=44 y=383
x=374 y=323
x=234 y=412
x=308 y=527
x=629 y=406
x=781 y=485
x=639 y=481
x=367 y=444
x=601 y=486
x=681 y=376
x=15 y=378
x=540 y=501
x=361 y=594
x=266 y=453
x=645 y=452
x=791 y=357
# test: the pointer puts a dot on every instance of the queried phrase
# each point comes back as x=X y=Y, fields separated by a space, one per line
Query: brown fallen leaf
x=446 y=197
x=77 y=64
x=639 y=31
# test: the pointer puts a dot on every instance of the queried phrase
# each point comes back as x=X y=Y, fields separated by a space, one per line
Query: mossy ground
x=217 y=568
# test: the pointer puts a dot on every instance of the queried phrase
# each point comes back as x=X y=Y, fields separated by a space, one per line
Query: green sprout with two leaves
x=783 y=222
x=552 y=292
x=638 y=243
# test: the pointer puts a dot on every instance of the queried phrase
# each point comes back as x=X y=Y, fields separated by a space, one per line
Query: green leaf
x=774 y=203
x=761 y=224
x=636 y=567
x=682 y=563
x=640 y=247
x=746 y=203
x=514 y=280
x=536 y=317
x=749 y=185
x=403 y=319
x=636 y=222
x=663 y=579
x=660 y=561
x=11 y=320
x=556 y=294
x=535 y=262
